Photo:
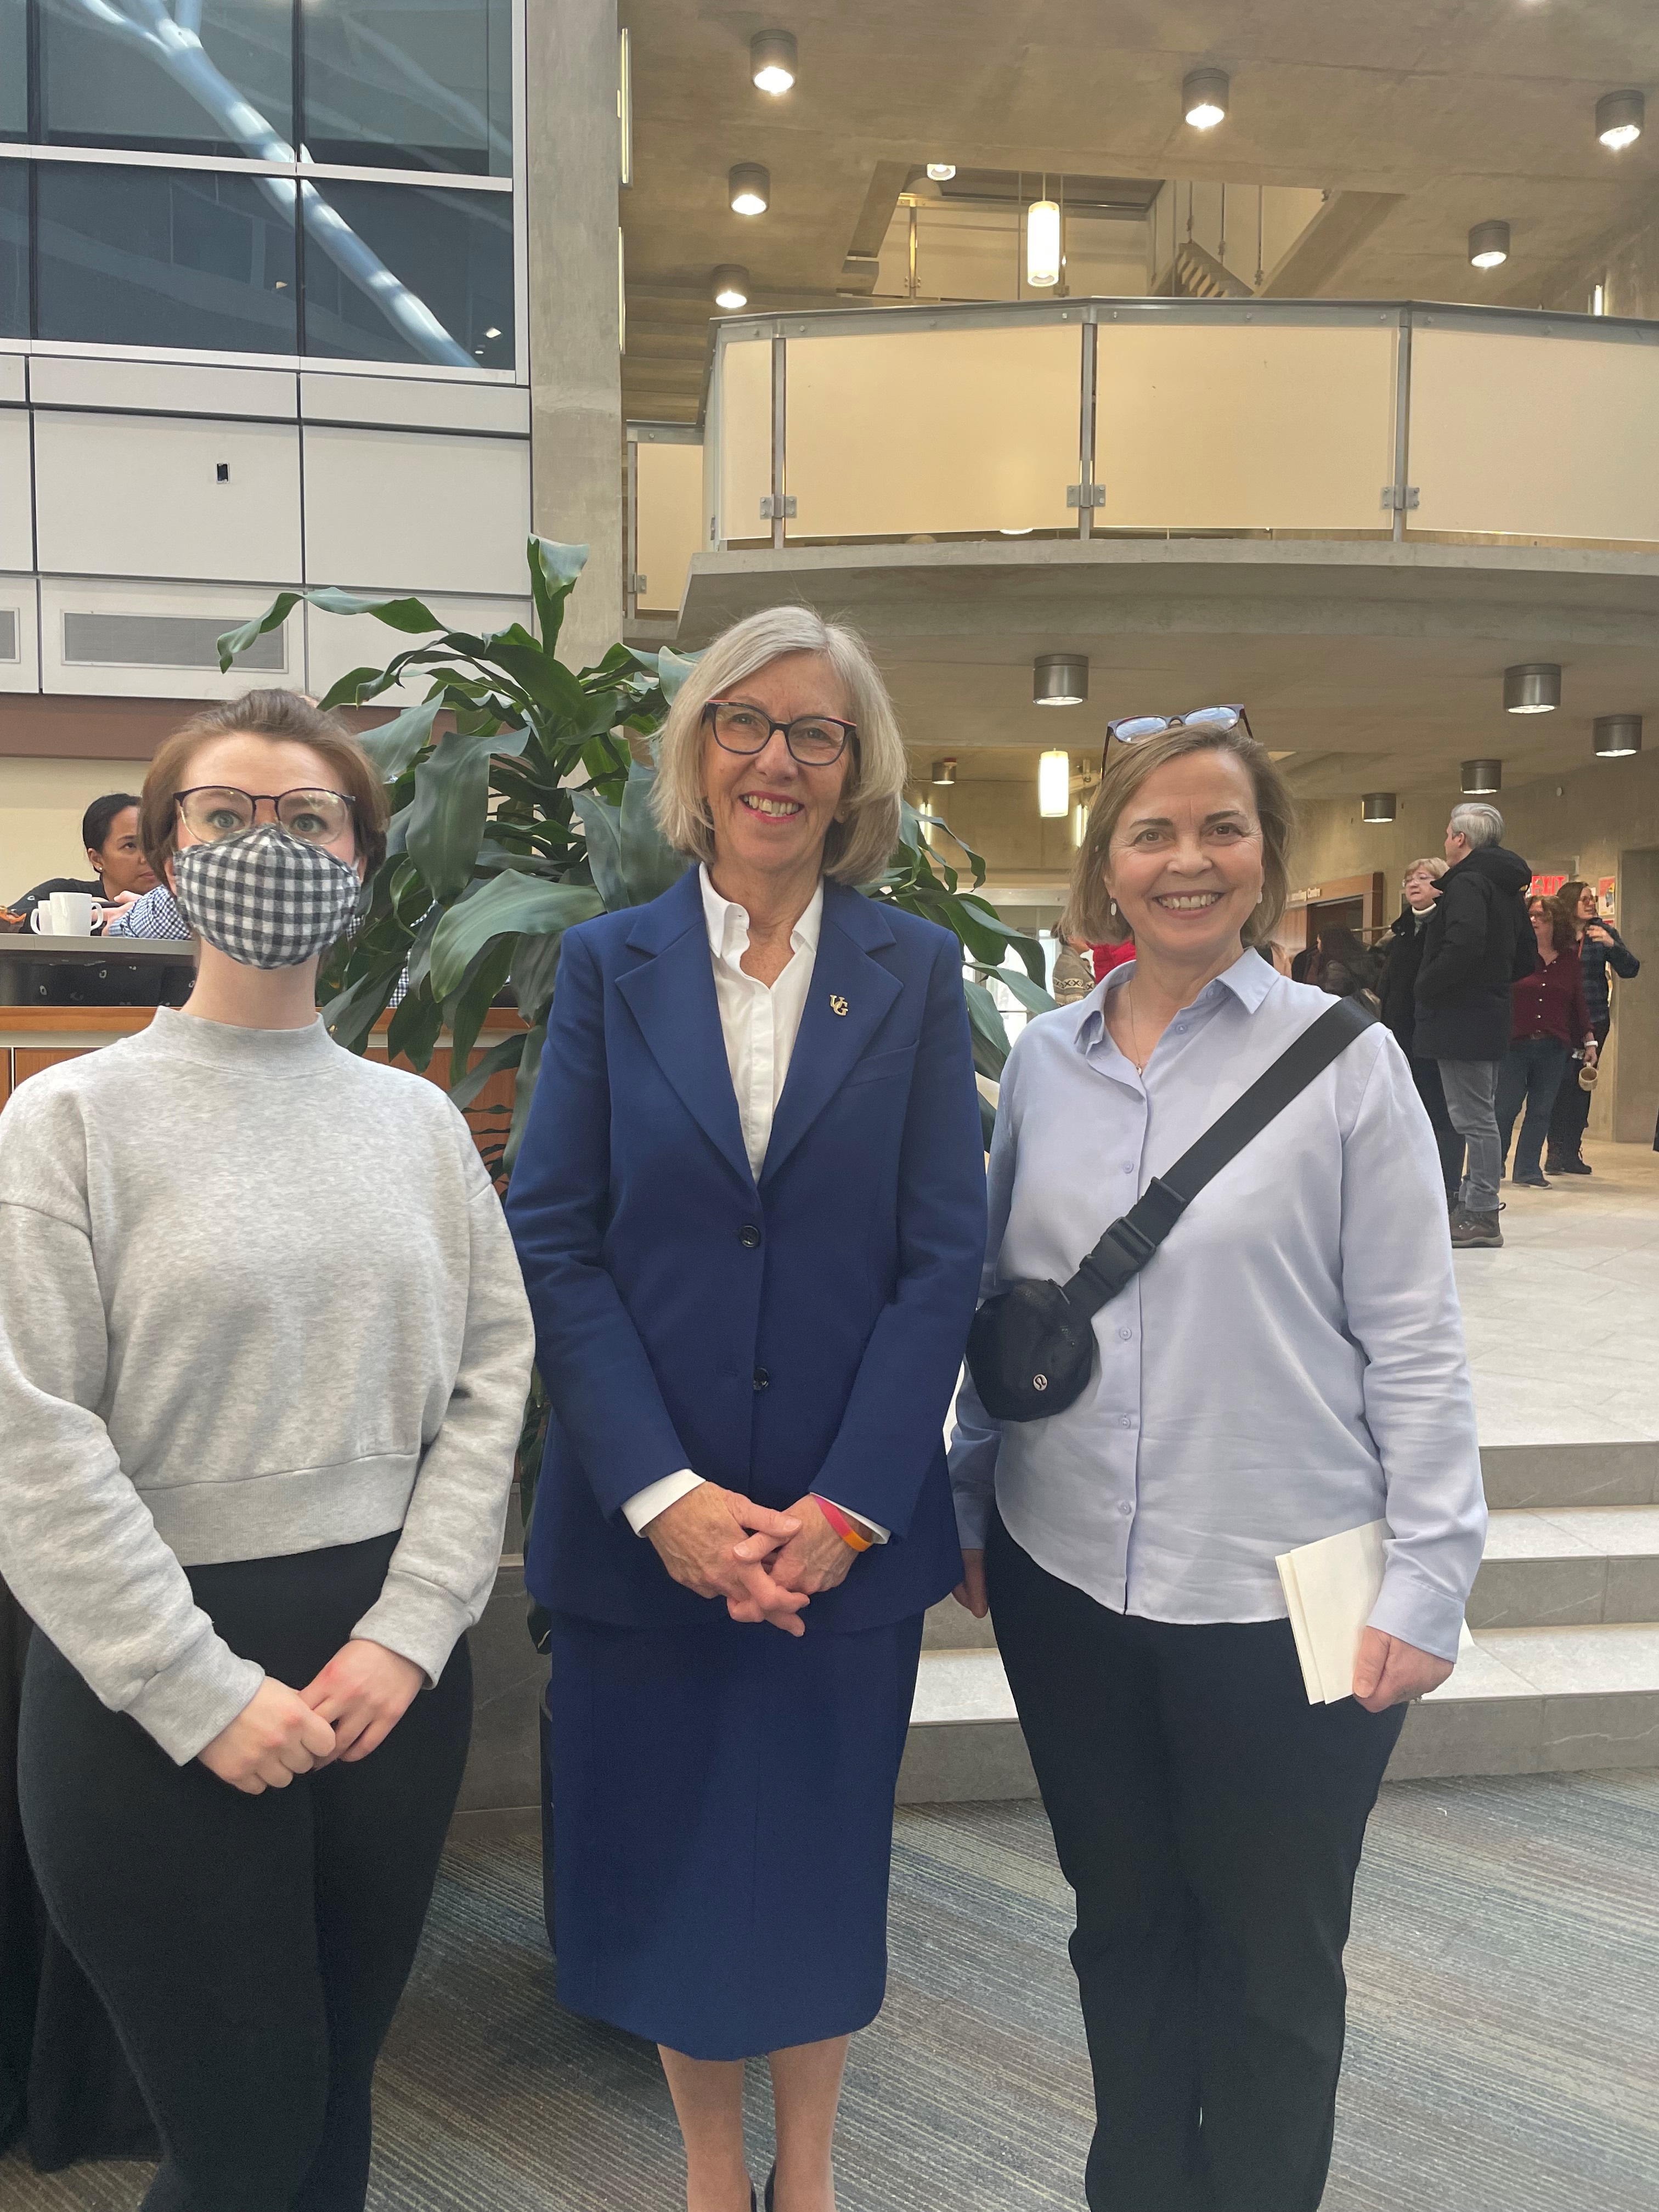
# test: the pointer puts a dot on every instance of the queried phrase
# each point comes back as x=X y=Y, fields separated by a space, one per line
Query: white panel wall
x=336 y=644
x=17 y=533
x=139 y=496
x=406 y=403
x=20 y=670
x=416 y=511
x=171 y=387
x=221 y=605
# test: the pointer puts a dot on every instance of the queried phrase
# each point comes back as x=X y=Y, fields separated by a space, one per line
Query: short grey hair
x=1477 y=823
x=861 y=839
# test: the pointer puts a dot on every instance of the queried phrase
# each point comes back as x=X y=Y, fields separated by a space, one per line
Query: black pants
x=1426 y=1074
x=1210 y=1820
x=251 y=1951
x=1571 y=1112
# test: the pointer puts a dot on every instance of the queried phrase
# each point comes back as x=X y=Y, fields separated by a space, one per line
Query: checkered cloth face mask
x=265 y=898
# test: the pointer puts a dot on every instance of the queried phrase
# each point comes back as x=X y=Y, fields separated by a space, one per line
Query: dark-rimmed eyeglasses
x=815 y=740
x=212 y=811
x=1131 y=729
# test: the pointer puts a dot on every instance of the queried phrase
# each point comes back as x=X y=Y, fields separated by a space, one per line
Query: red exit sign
x=1545 y=886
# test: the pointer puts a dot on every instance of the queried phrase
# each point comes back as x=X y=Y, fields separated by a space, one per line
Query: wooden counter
x=34 y=1037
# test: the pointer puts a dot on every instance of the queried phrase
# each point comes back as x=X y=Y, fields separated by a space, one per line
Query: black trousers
x=1210 y=1820
x=1570 y=1113
x=251 y=1951
x=1426 y=1074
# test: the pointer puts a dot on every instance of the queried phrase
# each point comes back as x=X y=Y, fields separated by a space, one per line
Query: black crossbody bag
x=1031 y=1348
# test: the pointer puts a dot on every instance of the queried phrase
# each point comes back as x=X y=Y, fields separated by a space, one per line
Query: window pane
x=13 y=250
x=409 y=84
x=14 y=70
x=138 y=87
x=450 y=255
x=161 y=257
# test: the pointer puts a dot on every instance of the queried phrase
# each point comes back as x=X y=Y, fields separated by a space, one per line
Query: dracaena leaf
x=504 y=907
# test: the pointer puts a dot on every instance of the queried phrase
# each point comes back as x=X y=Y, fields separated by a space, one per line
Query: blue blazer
x=802 y=1335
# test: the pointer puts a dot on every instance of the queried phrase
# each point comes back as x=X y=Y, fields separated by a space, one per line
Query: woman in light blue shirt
x=1290 y=1365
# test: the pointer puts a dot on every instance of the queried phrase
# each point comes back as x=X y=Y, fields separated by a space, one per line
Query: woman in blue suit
x=751 y=1211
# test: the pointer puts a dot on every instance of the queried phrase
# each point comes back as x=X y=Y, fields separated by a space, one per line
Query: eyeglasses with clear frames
x=211 y=811
x=815 y=740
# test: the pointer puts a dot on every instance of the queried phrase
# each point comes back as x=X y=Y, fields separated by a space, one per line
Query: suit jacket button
x=762 y=1379
x=749 y=1236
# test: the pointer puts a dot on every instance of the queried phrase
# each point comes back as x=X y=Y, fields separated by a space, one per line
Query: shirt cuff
x=873 y=1529
x=643 y=1507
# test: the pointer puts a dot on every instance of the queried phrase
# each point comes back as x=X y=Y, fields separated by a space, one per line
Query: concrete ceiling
x=1465 y=109
x=1374 y=667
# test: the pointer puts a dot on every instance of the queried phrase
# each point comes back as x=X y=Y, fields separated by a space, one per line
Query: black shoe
x=1569 y=1167
x=1531 y=1181
x=1476 y=1229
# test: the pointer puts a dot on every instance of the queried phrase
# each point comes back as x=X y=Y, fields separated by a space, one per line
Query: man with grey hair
x=1476 y=943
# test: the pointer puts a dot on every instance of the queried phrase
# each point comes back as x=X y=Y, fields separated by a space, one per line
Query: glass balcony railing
x=1154 y=417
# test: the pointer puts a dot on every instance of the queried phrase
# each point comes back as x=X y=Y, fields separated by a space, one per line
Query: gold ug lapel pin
x=837 y=1004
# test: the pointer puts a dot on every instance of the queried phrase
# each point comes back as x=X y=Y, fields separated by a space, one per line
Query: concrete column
x=575 y=368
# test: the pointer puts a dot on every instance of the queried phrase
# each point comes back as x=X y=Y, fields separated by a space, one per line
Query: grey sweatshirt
x=256 y=1298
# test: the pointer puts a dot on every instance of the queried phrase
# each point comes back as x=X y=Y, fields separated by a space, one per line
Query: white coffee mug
x=40 y=920
x=71 y=914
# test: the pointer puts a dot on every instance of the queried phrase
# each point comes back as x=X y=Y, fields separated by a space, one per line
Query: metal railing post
x=1085 y=463
x=780 y=469
x=1404 y=494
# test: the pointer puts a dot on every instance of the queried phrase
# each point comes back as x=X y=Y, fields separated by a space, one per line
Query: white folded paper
x=1330 y=1589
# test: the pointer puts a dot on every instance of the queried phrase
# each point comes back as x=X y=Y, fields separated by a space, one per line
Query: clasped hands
x=343 y=1713
x=766 y=1565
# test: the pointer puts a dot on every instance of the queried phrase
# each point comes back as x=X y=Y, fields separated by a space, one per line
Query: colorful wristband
x=853 y=1538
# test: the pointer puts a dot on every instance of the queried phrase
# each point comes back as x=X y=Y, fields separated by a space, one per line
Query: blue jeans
x=1530 y=1070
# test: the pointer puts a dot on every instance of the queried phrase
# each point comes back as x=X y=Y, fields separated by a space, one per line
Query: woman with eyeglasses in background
x=264 y=1351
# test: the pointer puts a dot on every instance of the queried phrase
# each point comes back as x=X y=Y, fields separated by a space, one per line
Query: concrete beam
x=1345 y=222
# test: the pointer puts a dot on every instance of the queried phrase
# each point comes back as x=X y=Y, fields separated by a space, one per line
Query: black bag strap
x=1133 y=1237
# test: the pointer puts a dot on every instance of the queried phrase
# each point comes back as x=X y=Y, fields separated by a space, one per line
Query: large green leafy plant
x=525 y=811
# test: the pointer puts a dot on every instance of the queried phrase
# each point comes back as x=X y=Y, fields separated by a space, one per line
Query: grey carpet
x=1503 y=2056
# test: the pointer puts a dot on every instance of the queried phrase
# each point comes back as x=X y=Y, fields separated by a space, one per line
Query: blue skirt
x=723 y=1822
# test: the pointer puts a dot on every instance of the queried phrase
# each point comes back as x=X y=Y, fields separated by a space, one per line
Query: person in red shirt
x=1548 y=1023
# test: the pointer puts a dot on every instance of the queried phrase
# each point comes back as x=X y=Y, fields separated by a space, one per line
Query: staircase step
x=1549 y=1476
x=1523 y=1701
x=1555 y=1567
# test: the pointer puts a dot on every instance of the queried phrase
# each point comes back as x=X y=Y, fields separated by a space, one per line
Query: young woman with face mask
x=264 y=1351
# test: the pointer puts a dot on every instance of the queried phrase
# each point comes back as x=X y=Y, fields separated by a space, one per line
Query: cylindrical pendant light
x=1377 y=806
x=1618 y=119
x=1055 y=786
x=1204 y=98
x=1059 y=679
x=773 y=62
x=751 y=188
x=730 y=286
x=1532 y=687
x=944 y=771
x=1614 y=736
x=1480 y=778
x=1489 y=244
x=1042 y=244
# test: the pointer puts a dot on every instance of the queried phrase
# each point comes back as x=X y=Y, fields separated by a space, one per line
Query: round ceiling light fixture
x=1618 y=119
x=773 y=60
x=1059 y=679
x=1489 y=244
x=751 y=184
x=730 y=286
x=1480 y=779
x=1055 y=786
x=941 y=172
x=1533 y=687
x=1204 y=98
x=1377 y=806
x=1615 y=737
x=944 y=771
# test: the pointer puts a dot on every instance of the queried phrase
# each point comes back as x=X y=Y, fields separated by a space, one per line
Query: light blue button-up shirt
x=1289 y=1365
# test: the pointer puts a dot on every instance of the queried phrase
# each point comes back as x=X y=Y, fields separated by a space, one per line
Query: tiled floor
x=1586 y=1249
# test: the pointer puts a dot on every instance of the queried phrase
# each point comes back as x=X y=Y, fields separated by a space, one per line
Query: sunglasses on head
x=1131 y=729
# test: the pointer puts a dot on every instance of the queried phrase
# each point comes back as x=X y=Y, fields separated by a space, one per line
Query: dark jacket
x=1396 y=989
x=1596 y=960
x=803 y=1333
x=1469 y=957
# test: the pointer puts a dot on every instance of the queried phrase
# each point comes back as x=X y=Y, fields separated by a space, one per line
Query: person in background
x=1074 y=975
x=1105 y=957
x=1288 y=1366
x=1402 y=956
x=109 y=830
x=264 y=1355
x=1600 y=948
x=154 y=913
x=1345 y=966
x=1550 y=1022
x=1474 y=944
